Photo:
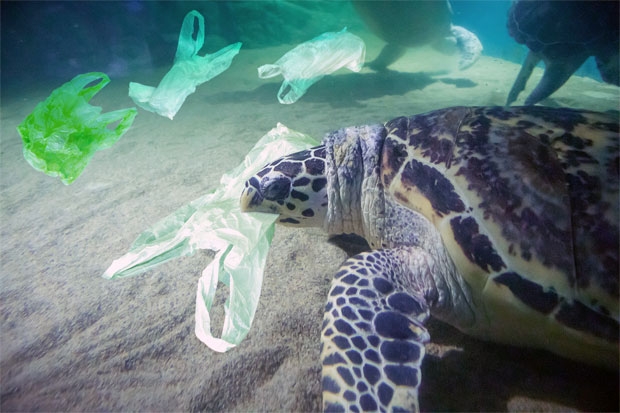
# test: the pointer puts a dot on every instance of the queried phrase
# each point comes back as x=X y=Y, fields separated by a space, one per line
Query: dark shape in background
x=564 y=34
x=46 y=43
x=52 y=41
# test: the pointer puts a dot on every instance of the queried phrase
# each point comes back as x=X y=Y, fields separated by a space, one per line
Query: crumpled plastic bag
x=188 y=71
x=63 y=132
x=307 y=63
x=215 y=222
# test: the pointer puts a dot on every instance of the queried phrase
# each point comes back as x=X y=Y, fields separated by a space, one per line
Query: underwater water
x=71 y=340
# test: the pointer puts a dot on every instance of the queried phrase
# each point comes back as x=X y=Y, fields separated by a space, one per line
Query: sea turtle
x=500 y=221
x=404 y=24
x=564 y=34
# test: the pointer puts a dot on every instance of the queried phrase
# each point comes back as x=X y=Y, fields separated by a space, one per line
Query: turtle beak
x=250 y=199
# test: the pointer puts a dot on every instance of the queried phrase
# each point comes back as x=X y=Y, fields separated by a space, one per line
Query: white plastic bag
x=307 y=63
x=215 y=222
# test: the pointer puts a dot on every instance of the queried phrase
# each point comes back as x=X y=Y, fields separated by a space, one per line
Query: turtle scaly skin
x=502 y=222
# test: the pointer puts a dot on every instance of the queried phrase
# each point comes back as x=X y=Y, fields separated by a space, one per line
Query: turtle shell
x=526 y=202
x=563 y=28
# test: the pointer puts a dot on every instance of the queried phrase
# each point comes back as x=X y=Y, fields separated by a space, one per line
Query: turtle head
x=344 y=170
x=293 y=187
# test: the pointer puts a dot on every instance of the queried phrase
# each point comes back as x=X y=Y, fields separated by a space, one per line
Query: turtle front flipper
x=373 y=337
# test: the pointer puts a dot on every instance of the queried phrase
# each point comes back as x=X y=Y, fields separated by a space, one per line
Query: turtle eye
x=276 y=189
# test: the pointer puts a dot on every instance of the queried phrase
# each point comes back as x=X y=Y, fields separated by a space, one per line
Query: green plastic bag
x=188 y=71
x=215 y=222
x=63 y=132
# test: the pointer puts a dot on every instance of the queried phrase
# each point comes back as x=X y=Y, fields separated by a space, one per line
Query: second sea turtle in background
x=404 y=24
x=563 y=34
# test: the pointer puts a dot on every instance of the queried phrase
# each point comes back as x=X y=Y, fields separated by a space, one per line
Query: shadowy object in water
x=404 y=24
x=459 y=83
x=563 y=34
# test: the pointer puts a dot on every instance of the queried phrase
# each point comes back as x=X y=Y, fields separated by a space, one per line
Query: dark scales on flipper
x=373 y=341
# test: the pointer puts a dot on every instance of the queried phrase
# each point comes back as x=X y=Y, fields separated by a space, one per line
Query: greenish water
x=73 y=341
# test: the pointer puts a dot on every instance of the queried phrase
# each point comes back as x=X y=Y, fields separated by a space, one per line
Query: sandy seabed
x=73 y=341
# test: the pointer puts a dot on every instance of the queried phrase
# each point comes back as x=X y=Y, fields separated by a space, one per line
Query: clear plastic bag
x=189 y=70
x=307 y=63
x=215 y=222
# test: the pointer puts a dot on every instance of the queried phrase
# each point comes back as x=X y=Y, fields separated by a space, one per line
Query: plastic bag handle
x=188 y=47
x=267 y=71
x=125 y=118
x=124 y=115
x=87 y=78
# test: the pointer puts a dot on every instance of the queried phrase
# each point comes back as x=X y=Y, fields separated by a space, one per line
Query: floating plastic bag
x=307 y=63
x=63 y=132
x=188 y=71
x=215 y=222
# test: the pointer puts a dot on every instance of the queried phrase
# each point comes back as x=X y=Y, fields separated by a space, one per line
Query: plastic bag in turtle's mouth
x=215 y=221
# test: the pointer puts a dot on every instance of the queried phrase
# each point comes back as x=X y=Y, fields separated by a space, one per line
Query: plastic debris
x=188 y=71
x=63 y=132
x=215 y=222
x=307 y=63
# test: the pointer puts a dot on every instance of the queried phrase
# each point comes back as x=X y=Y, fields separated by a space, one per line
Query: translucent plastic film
x=188 y=71
x=64 y=131
x=307 y=63
x=215 y=222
